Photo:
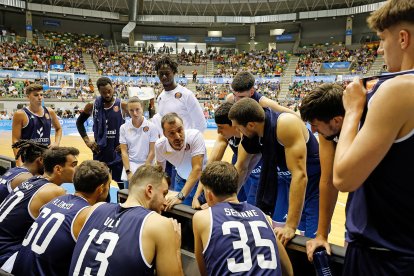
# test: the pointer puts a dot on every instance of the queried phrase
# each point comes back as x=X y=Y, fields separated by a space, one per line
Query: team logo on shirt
x=178 y=95
x=47 y=116
x=145 y=129
x=40 y=132
x=187 y=147
x=116 y=108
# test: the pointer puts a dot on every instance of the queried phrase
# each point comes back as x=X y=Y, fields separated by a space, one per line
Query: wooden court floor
x=338 y=222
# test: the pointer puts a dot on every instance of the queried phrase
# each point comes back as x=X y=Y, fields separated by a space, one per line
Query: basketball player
x=285 y=143
x=232 y=237
x=35 y=121
x=176 y=98
x=108 y=116
x=137 y=139
x=22 y=206
x=47 y=248
x=186 y=150
x=228 y=135
x=375 y=163
x=132 y=237
x=31 y=155
x=324 y=110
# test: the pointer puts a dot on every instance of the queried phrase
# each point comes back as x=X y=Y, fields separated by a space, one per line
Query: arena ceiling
x=209 y=7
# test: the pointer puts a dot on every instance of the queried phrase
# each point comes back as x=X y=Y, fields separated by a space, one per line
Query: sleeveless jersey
x=38 y=128
x=110 y=243
x=384 y=200
x=15 y=218
x=48 y=246
x=241 y=242
x=7 y=178
x=114 y=120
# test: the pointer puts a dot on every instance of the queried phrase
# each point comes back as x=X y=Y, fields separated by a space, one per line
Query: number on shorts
x=101 y=257
x=246 y=264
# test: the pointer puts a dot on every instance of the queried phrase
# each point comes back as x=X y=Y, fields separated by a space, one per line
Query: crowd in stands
x=189 y=58
x=259 y=63
x=310 y=61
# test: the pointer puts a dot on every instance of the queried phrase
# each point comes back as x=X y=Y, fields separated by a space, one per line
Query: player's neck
x=133 y=201
x=260 y=129
x=170 y=87
x=52 y=178
x=89 y=198
x=35 y=108
x=231 y=199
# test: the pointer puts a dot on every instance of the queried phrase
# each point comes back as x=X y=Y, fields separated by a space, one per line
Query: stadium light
x=276 y=31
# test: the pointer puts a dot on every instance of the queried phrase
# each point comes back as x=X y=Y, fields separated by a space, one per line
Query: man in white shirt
x=137 y=139
x=176 y=98
x=186 y=150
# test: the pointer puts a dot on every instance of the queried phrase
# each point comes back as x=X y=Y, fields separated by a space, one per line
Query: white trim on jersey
x=402 y=139
x=30 y=201
x=73 y=221
x=140 y=240
x=211 y=230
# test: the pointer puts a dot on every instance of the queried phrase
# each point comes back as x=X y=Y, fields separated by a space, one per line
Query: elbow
x=340 y=183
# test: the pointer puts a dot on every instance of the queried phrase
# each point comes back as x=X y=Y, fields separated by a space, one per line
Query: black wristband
x=127 y=171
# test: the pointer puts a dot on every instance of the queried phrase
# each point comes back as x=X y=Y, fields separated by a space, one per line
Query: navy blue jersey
x=110 y=243
x=15 y=217
x=376 y=213
x=38 y=128
x=113 y=122
x=7 y=178
x=48 y=246
x=241 y=242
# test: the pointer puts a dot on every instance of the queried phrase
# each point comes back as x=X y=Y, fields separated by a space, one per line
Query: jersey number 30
x=246 y=265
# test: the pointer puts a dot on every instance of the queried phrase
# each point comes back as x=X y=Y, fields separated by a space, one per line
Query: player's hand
x=354 y=96
x=171 y=202
x=284 y=234
x=129 y=175
x=118 y=148
x=204 y=206
x=196 y=203
x=53 y=145
x=93 y=146
x=312 y=244
x=177 y=230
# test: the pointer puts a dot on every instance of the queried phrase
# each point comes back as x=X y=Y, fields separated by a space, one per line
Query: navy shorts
x=309 y=219
x=362 y=260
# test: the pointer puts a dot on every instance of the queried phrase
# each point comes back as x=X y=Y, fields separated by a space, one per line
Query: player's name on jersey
x=111 y=223
x=61 y=204
x=245 y=214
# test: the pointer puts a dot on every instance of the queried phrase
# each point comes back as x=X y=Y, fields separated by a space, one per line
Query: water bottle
x=321 y=262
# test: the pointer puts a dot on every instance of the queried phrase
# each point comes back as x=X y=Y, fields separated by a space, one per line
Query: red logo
x=145 y=129
x=178 y=95
x=116 y=108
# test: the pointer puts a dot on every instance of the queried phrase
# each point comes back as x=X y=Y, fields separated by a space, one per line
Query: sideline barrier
x=6 y=163
x=296 y=248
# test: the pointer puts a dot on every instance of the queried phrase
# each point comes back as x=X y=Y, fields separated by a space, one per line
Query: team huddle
x=282 y=180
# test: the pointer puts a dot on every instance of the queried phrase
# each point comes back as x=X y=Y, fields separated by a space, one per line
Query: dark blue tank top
x=48 y=246
x=38 y=128
x=246 y=225
x=7 y=178
x=112 y=236
x=15 y=218
x=114 y=120
x=385 y=200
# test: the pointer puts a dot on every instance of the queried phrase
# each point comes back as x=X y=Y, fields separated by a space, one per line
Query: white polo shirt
x=193 y=145
x=138 y=141
x=183 y=102
x=156 y=120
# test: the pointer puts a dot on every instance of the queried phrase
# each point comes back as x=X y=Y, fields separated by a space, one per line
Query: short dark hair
x=148 y=173
x=29 y=150
x=33 y=87
x=89 y=175
x=243 y=81
x=221 y=114
x=221 y=178
x=57 y=156
x=166 y=60
x=323 y=103
x=169 y=118
x=246 y=110
x=103 y=81
x=391 y=13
